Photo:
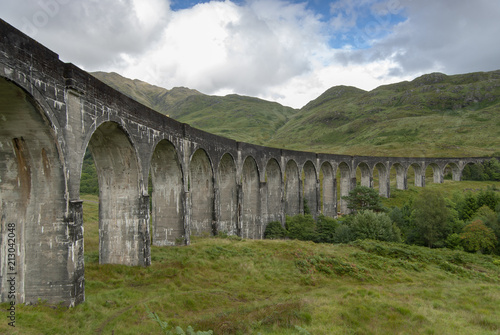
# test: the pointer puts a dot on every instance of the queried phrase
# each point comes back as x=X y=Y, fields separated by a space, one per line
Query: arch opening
x=452 y=171
x=433 y=174
x=309 y=182
x=167 y=200
x=201 y=189
x=228 y=193
x=250 y=214
x=292 y=189
x=123 y=215
x=328 y=191
x=344 y=186
x=416 y=171
x=273 y=183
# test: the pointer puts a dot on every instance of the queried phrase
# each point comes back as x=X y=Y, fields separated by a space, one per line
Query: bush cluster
x=469 y=222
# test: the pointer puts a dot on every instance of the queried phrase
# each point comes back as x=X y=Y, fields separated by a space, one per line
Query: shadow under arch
x=251 y=226
x=167 y=213
x=451 y=169
x=434 y=170
x=228 y=195
x=33 y=205
x=292 y=189
x=366 y=175
x=419 y=174
x=273 y=191
x=344 y=186
x=328 y=191
x=309 y=182
x=123 y=218
x=201 y=190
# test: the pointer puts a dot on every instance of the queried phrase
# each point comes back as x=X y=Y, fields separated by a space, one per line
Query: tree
x=363 y=198
x=429 y=218
x=467 y=207
x=376 y=226
x=477 y=237
x=488 y=198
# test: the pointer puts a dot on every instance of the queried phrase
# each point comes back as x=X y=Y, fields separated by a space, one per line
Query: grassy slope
x=244 y=286
x=238 y=117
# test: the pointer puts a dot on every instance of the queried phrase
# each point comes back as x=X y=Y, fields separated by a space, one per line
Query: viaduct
x=51 y=111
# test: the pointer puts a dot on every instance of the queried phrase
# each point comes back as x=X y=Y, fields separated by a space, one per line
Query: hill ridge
x=432 y=115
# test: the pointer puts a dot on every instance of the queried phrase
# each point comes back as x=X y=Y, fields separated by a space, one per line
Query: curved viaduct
x=51 y=111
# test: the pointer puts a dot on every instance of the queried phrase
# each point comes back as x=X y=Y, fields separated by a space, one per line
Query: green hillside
x=433 y=115
x=238 y=117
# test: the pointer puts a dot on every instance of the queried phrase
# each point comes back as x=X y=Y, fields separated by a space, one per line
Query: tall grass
x=235 y=286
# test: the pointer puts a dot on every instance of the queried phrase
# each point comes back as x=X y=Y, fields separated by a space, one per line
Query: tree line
x=469 y=222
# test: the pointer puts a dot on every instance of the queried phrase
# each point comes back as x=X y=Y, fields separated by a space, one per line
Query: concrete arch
x=383 y=180
x=366 y=174
x=33 y=206
x=345 y=186
x=454 y=169
x=292 y=189
x=310 y=189
x=251 y=226
x=419 y=174
x=228 y=195
x=123 y=226
x=273 y=191
x=437 y=173
x=201 y=189
x=328 y=190
x=401 y=177
x=167 y=213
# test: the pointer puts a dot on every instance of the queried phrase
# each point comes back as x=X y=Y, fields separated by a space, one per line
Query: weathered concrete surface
x=51 y=111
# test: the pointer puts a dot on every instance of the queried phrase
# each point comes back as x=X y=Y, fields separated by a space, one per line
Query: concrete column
x=401 y=178
x=75 y=265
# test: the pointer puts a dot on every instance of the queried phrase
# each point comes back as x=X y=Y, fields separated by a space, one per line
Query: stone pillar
x=75 y=266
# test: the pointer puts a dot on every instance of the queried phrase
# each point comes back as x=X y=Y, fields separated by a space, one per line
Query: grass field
x=235 y=286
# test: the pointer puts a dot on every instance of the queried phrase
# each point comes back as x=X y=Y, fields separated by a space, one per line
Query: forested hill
x=432 y=115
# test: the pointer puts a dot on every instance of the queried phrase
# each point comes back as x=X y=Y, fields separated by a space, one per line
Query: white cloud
x=222 y=47
x=274 y=49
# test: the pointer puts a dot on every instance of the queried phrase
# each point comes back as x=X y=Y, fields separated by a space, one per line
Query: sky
x=288 y=51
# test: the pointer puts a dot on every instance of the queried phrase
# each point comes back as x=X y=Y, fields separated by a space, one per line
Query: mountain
x=238 y=117
x=432 y=115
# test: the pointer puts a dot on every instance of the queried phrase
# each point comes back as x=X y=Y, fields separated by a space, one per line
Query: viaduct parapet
x=51 y=111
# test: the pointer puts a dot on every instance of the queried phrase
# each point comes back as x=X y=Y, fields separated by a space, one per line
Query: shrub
x=343 y=234
x=454 y=242
x=325 y=229
x=477 y=237
x=274 y=230
x=376 y=226
x=301 y=227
